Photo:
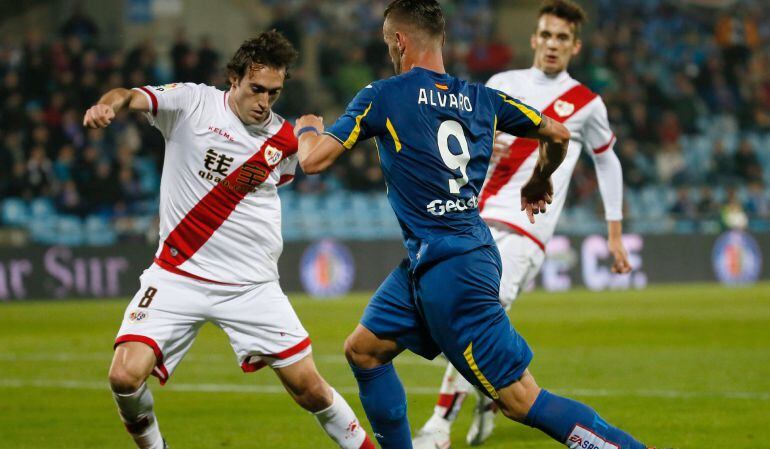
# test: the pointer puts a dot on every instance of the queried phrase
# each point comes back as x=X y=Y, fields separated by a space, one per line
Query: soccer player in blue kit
x=434 y=134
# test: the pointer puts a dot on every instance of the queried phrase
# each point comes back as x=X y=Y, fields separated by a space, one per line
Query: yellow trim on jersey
x=353 y=137
x=393 y=134
x=477 y=372
x=530 y=113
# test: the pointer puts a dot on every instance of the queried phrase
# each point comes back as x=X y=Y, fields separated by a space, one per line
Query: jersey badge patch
x=273 y=155
x=563 y=108
x=166 y=87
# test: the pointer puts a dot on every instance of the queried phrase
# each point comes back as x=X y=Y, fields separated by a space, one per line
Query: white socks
x=341 y=424
x=136 y=412
x=454 y=389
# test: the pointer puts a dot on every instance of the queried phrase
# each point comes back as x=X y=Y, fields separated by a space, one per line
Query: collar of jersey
x=540 y=77
x=431 y=72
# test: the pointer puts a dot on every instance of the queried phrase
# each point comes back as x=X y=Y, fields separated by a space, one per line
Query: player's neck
x=428 y=60
x=550 y=76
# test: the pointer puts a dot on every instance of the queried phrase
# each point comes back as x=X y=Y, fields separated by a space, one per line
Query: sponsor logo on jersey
x=563 y=108
x=582 y=438
x=137 y=316
x=327 y=269
x=273 y=155
x=736 y=258
x=166 y=87
x=443 y=207
x=222 y=133
x=250 y=175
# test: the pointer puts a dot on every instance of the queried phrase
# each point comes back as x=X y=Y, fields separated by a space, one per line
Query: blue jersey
x=434 y=134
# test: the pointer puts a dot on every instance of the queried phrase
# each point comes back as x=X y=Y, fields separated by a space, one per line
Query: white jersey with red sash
x=565 y=100
x=220 y=215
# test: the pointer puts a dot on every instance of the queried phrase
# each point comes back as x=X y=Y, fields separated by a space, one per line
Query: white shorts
x=169 y=309
x=522 y=259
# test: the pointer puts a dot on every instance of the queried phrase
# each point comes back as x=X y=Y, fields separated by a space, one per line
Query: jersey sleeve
x=286 y=170
x=362 y=119
x=513 y=116
x=599 y=141
x=170 y=104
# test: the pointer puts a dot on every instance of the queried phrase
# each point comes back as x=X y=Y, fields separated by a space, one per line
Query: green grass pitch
x=682 y=366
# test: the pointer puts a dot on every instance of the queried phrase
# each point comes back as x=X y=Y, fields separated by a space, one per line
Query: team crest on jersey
x=272 y=155
x=563 y=108
x=137 y=316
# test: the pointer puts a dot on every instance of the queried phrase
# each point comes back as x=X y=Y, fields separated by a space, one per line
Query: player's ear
x=533 y=41
x=578 y=46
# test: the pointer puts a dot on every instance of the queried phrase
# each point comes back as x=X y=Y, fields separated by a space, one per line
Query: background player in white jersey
x=548 y=87
x=226 y=154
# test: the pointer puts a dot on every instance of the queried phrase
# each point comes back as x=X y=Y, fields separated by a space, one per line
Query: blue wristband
x=307 y=129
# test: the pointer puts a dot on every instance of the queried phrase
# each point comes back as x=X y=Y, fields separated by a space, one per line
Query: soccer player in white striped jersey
x=220 y=239
x=548 y=87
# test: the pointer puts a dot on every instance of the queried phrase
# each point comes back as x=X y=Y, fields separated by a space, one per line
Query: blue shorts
x=453 y=307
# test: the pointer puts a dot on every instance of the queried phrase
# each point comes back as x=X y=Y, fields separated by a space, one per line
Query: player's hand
x=500 y=149
x=535 y=195
x=98 y=116
x=310 y=120
x=620 y=265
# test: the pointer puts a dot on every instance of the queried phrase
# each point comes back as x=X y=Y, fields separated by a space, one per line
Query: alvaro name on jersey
x=220 y=215
x=583 y=112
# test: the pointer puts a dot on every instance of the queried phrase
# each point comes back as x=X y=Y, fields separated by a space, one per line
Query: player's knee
x=514 y=410
x=358 y=355
x=124 y=380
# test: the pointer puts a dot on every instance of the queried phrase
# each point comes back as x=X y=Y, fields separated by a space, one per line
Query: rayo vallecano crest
x=272 y=155
x=563 y=108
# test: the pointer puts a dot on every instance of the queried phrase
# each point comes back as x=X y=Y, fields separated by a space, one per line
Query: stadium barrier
x=330 y=268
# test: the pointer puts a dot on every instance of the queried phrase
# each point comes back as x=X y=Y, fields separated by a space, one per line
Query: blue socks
x=384 y=401
x=576 y=425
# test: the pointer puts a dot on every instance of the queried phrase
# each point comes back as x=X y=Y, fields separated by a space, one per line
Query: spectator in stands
x=757 y=202
x=81 y=25
x=708 y=208
x=683 y=208
x=722 y=165
x=670 y=164
x=747 y=165
x=733 y=215
x=637 y=169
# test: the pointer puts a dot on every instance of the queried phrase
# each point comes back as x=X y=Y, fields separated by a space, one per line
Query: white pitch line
x=277 y=389
x=107 y=356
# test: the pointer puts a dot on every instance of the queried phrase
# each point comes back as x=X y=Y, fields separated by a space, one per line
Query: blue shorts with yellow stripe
x=453 y=307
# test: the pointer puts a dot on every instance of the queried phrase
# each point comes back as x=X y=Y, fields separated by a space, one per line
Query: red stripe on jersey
x=285 y=179
x=153 y=99
x=200 y=223
x=296 y=349
x=521 y=148
x=519 y=230
x=175 y=270
x=604 y=148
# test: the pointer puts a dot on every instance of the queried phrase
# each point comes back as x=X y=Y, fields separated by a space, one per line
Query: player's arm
x=319 y=147
x=103 y=112
x=522 y=120
x=600 y=142
x=538 y=191
x=317 y=151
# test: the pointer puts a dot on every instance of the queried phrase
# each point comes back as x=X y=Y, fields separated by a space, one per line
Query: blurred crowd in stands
x=687 y=90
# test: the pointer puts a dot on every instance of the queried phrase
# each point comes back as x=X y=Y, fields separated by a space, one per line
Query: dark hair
x=426 y=15
x=567 y=10
x=270 y=49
